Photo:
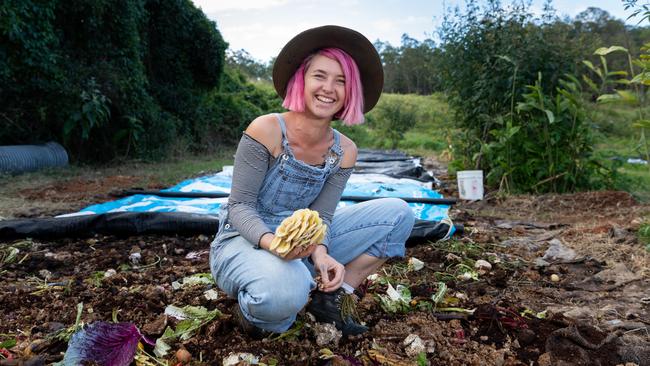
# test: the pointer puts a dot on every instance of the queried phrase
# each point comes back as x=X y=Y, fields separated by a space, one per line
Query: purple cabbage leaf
x=106 y=344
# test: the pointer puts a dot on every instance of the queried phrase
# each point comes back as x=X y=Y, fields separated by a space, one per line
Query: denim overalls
x=271 y=290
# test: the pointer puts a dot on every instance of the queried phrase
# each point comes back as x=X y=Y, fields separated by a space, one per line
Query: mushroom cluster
x=303 y=228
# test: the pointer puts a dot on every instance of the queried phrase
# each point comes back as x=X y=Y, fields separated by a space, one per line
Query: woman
x=294 y=160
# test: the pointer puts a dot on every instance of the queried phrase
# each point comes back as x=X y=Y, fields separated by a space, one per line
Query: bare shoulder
x=349 y=152
x=266 y=130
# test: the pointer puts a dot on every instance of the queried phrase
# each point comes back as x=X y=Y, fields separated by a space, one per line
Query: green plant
x=636 y=96
x=94 y=111
x=489 y=56
x=553 y=146
x=109 y=77
x=644 y=235
x=131 y=133
x=393 y=118
x=95 y=279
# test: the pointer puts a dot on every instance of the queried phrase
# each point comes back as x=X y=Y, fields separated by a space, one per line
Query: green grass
x=616 y=139
x=644 y=234
x=431 y=134
x=434 y=133
x=14 y=203
x=165 y=172
x=174 y=171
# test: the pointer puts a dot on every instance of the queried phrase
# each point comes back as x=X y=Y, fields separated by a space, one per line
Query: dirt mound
x=492 y=297
x=79 y=188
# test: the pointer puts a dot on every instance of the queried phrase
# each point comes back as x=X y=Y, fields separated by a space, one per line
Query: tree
x=108 y=77
x=243 y=61
x=411 y=68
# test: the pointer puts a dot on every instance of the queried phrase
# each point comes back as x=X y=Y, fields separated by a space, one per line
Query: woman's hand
x=299 y=252
x=295 y=253
x=331 y=271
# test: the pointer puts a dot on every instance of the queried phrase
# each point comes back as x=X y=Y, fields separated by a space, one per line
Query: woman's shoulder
x=349 y=152
x=266 y=130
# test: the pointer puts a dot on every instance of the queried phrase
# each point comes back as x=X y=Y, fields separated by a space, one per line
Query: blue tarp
x=373 y=185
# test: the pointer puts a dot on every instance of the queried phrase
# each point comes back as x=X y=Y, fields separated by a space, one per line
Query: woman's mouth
x=324 y=99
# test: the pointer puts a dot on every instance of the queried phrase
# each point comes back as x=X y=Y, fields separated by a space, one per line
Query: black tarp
x=164 y=223
x=391 y=163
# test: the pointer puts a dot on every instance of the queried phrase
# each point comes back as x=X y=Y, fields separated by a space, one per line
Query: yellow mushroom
x=303 y=228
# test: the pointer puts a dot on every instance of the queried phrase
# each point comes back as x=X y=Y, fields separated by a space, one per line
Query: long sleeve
x=329 y=197
x=252 y=161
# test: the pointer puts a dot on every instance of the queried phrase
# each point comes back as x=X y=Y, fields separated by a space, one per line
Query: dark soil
x=43 y=285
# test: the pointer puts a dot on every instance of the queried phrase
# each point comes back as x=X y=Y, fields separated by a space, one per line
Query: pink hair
x=352 y=111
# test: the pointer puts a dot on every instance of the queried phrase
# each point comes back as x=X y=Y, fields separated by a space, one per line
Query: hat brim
x=350 y=41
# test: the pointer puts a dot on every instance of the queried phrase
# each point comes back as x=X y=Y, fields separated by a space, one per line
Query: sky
x=263 y=27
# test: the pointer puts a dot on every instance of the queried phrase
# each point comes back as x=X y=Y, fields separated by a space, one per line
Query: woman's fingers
x=324 y=274
x=337 y=280
x=300 y=252
x=333 y=279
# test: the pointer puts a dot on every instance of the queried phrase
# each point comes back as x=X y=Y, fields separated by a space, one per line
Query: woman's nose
x=328 y=85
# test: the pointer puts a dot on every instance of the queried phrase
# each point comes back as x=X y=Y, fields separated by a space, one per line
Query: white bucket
x=470 y=184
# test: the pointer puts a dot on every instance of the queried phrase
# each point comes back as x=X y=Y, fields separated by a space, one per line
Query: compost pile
x=542 y=280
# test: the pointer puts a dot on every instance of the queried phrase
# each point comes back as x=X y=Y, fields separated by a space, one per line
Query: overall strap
x=283 y=127
x=337 y=138
x=336 y=148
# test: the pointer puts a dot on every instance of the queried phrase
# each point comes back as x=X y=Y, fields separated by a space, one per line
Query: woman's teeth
x=324 y=99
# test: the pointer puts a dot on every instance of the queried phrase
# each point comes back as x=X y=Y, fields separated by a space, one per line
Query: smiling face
x=324 y=87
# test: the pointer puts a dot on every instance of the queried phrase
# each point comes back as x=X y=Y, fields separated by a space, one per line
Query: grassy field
x=166 y=172
x=431 y=135
x=615 y=138
x=50 y=190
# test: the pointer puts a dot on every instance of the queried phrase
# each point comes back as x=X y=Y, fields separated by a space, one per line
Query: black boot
x=247 y=327
x=336 y=307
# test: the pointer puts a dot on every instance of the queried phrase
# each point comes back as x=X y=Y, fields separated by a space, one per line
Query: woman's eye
x=341 y=81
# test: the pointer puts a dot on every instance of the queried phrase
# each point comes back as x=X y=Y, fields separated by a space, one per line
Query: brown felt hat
x=350 y=41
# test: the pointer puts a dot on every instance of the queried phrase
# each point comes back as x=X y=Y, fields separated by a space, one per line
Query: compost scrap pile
x=543 y=280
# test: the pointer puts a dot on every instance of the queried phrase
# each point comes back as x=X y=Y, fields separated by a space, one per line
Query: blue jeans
x=271 y=291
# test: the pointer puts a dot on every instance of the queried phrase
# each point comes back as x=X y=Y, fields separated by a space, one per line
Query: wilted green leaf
x=161 y=348
x=589 y=65
x=440 y=294
x=603 y=51
x=9 y=343
x=642 y=123
x=549 y=115
x=325 y=354
x=192 y=319
x=396 y=300
x=628 y=97
x=609 y=98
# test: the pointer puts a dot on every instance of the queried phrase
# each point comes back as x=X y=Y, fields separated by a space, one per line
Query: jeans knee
x=280 y=294
x=401 y=211
x=278 y=303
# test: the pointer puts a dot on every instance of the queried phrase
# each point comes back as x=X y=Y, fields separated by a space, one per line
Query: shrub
x=392 y=118
x=546 y=146
x=492 y=59
x=110 y=78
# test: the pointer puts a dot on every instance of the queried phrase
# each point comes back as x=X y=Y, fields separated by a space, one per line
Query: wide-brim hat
x=350 y=41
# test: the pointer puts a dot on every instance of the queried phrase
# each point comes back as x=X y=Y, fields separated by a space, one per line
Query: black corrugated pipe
x=27 y=158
